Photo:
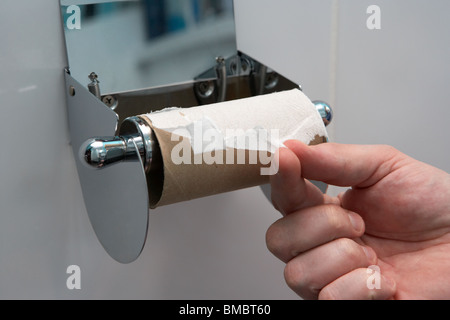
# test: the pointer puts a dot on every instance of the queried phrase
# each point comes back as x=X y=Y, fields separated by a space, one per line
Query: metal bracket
x=116 y=196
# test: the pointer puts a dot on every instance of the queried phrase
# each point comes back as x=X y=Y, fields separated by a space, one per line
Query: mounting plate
x=116 y=197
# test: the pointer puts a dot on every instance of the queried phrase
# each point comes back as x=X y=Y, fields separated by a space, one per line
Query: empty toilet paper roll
x=226 y=146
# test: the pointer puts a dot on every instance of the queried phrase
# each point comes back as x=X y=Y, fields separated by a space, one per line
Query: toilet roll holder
x=115 y=150
x=136 y=133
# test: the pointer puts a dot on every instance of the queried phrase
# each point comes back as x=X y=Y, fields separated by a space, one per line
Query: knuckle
x=390 y=153
x=348 y=248
x=388 y=149
x=334 y=219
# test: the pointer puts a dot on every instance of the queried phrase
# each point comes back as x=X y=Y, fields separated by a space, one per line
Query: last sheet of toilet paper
x=273 y=118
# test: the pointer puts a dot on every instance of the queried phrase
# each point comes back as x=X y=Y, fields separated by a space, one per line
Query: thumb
x=358 y=166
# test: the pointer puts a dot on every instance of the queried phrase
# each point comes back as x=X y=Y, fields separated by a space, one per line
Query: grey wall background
x=387 y=86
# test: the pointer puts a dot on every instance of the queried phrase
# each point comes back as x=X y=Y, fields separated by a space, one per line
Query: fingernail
x=356 y=221
x=370 y=254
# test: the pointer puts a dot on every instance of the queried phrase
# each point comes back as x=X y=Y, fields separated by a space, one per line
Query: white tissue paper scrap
x=260 y=123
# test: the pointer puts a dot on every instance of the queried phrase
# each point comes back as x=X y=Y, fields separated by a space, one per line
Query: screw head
x=110 y=101
x=205 y=89
x=220 y=60
x=72 y=91
x=93 y=77
x=272 y=80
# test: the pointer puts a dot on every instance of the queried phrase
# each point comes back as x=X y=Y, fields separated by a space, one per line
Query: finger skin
x=290 y=192
x=345 y=165
x=311 y=227
x=318 y=264
x=308 y=273
x=360 y=284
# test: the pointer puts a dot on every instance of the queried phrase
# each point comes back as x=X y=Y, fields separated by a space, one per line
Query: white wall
x=386 y=87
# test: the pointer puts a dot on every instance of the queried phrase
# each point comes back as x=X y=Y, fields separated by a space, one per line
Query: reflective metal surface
x=244 y=78
x=145 y=43
x=325 y=111
x=101 y=152
x=94 y=86
x=221 y=70
x=137 y=130
x=115 y=196
x=135 y=134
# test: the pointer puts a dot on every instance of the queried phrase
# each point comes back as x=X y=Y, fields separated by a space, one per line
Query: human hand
x=396 y=216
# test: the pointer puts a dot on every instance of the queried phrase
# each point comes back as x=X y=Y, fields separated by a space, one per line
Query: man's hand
x=396 y=216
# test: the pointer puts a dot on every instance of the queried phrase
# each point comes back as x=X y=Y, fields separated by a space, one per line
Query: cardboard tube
x=223 y=147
